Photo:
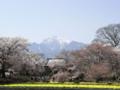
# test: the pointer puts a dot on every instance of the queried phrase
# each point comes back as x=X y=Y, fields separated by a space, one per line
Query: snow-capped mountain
x=52 y=46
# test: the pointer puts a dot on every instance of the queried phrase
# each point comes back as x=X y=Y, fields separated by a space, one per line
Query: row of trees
x=99 y=61
x=96 y=62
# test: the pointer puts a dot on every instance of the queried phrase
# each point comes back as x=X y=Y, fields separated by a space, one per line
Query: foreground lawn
x=79 y=86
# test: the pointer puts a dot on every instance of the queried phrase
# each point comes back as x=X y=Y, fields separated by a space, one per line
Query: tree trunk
x=3 y=70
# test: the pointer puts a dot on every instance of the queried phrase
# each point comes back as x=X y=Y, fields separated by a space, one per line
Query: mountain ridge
x=51 y=47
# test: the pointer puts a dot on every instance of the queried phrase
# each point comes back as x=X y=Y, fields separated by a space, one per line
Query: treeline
x=99 y=61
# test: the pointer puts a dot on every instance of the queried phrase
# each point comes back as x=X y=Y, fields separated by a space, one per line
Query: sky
x=37 y=20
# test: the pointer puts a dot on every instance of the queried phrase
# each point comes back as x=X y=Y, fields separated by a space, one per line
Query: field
x=60 y=86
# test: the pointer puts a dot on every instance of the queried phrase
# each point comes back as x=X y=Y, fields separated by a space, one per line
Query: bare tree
x=109 y=35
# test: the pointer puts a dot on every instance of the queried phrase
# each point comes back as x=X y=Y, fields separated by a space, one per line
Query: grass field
x=61 y=86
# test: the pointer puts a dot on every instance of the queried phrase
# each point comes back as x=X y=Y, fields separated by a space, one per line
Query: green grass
x=65 y=85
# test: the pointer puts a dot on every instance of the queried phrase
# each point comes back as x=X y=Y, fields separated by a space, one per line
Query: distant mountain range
x=53 y=46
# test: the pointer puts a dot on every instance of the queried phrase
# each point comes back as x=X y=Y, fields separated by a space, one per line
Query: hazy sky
x=70 y=19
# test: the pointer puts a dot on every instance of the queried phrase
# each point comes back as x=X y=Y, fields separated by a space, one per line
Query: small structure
x=52 y=62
